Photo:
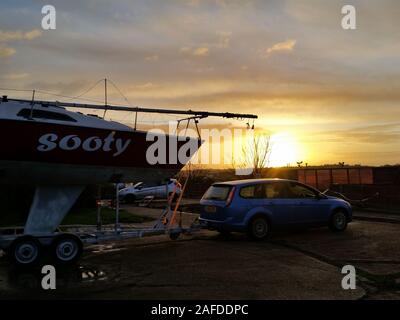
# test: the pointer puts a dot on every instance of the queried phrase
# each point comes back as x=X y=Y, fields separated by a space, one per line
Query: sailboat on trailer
x=61 y=151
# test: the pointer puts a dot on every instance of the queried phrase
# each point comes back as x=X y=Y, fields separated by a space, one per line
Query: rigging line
x=49 y=93
x=9 y=89
x=86 y=91
x=131 y=105
x=53 y=94
x=64 y=96
x=127 y=101
x=120 y=92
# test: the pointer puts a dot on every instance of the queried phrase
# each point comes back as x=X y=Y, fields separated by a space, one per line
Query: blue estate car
x=256 y=206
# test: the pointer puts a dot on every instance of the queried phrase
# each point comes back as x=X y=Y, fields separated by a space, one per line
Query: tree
x=256 y=152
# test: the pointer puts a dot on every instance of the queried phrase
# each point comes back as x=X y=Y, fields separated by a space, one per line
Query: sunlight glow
x=285 y=150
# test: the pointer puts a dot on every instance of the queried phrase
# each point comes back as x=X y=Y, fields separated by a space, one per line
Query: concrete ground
x=291 y=265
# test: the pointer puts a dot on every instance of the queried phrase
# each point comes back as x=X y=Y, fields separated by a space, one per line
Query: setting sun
x=285 y=150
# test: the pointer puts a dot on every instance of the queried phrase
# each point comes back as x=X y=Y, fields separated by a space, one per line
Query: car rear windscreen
x=217 y=192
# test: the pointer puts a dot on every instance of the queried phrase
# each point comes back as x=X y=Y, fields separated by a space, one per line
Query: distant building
x=357 y=183
x=324 y=177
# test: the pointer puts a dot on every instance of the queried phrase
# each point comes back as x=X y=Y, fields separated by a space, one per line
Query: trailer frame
x=96 y=234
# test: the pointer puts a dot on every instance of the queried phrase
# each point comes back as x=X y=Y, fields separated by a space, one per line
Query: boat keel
x=49 y=207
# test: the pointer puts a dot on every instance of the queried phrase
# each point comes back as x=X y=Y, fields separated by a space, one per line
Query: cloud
x=198 y=52
x=6 y=36
x=6 y=51
x=186 y=50
x=144 y=87
x=19 y=35
x=15 y=76
x=153 y=57
x=378 y=134
x=224 y=39
x=287 y=45
x=203 y=51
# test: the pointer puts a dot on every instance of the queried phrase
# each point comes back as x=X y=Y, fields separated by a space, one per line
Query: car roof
x=252 y=181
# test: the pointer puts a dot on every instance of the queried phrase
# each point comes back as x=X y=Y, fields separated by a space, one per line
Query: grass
x=89 y=216
x=84 y=216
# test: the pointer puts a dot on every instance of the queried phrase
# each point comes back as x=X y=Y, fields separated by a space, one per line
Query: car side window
x=276 y=190
x=299 y=191
x=254 y=191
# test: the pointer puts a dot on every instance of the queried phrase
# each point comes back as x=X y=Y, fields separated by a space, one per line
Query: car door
x=308 y=207
x=141 y=190
x=151 y=190
x=162 y=190
x=277 y=201
x=253 y=194
x=273 y=198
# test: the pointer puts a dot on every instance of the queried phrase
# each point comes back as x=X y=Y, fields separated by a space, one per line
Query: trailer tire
x=130 y=198
x=174 y=235
x=66 y=248
x=25 y=251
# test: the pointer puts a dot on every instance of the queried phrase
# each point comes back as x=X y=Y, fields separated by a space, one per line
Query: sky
x=325 y=94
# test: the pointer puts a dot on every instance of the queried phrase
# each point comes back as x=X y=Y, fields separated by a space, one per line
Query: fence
x=325 y=177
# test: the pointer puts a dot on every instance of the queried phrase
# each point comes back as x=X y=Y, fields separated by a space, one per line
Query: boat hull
x=24 y=172
x=49 y=153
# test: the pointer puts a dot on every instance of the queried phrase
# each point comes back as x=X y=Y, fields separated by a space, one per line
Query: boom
x=200 y=114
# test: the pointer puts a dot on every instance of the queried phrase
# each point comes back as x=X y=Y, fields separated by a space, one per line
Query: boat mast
x=32 y=104
x=105 y=97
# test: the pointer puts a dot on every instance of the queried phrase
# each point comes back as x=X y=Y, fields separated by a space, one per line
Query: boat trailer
x=66 y=247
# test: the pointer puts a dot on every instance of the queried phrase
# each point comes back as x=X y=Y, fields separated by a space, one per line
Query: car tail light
x=230 y=196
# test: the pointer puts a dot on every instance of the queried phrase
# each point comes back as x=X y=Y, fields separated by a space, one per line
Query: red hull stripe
x=56 y=143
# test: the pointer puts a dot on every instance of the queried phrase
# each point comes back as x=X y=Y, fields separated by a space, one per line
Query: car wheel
x=259 y=228
x=338 y=221
x=130 y=198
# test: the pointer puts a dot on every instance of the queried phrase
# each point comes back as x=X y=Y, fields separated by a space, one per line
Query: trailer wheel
x=25 y=251
x=130 y=198
x=174 y=235
x=66 y=248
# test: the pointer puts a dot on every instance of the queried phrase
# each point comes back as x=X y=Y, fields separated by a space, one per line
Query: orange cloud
x=199 y=52
x=203 y=51
x=19 y=35
x=287 y=45
x=6 y=36
x=15 y=76
x=6 y=51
